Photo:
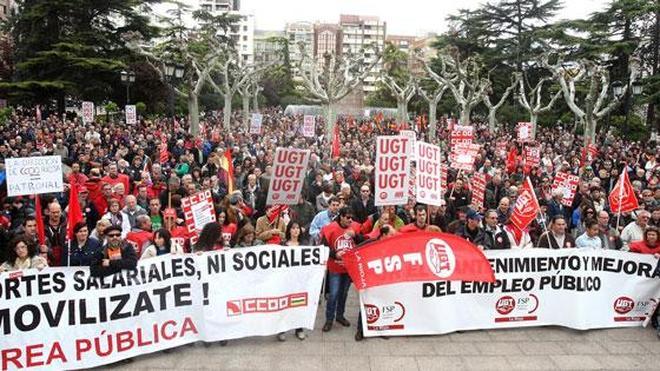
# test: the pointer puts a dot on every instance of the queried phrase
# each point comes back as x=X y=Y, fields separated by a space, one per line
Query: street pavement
x=539 y=348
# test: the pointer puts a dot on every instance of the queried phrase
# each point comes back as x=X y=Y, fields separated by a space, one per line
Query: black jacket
x=495 y=240
x=128 y=261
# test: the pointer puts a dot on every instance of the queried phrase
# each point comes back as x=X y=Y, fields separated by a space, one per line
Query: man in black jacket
x=495 y=237
x=363 y=205
x=115 y=256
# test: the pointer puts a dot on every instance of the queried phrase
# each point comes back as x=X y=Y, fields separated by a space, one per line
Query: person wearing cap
x=115 y=256
x=472 y=230
x=83 y=248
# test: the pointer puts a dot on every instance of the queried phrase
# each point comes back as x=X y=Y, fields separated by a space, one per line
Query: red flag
x=588 y=154
x=417 y=256
x=622 y=198
x=39 y=216
x=335 y=142
x=75 y=214
x=511 y=160
x=227 y=163
x=526 y=206
x=164 y=155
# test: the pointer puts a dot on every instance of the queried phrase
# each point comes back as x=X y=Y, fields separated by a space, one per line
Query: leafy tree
x=72 y=47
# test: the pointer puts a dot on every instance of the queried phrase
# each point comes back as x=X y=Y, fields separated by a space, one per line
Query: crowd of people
x=131 y=196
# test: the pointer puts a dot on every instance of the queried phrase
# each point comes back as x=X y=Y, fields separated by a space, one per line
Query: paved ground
x=523 y=349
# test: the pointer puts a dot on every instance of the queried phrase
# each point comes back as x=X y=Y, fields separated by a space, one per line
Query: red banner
x=478 y=190
x=568 y=184
x=419 y=256
x=526 y=206
x=622 y=198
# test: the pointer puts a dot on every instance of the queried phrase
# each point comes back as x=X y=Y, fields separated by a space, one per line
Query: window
x=245 y=28
x=244 y=38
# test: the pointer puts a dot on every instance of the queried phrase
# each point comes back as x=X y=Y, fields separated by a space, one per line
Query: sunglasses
x=113 y=235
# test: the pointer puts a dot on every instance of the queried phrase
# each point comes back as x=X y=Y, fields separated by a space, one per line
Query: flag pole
x=618 y=216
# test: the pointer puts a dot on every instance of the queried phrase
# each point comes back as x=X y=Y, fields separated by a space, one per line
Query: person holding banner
x=115 y=256
x=340 y=236
x=83 y=248
x=634 y=231
x=649 y=245
x=22 y=254
x=556 y=237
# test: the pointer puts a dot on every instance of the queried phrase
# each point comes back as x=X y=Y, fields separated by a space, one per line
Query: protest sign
x=34 y=175
x=289 y=170
x=88 y=112
x=131 y=115
x=410 y=134
x=198 y=211
x=568 y=184
x=500 y=149
x=255 y=123
x=524 y=132
x=461 y=134
x=392 y=170
x=309 y=126
x=428 y=186
x=577 y=288
x=64 y=318
x=463 y=155
x=532 y=156
x=478 y=184
x=444 y=175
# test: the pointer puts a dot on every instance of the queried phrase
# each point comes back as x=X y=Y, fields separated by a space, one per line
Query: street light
x=128 y=78
x=617 y=89
x=636 y=88
x=173 y=71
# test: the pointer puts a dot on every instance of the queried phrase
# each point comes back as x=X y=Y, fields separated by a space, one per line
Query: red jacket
x=642 y=248
x=335 y=238
x=138 y=240
x=121 y=178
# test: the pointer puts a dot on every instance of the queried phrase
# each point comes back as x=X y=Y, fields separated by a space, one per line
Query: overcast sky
x=408 y=17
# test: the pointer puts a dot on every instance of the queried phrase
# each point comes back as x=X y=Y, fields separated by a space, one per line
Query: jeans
x=338 y=285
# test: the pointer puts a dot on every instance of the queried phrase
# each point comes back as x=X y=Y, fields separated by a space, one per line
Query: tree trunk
x=227 y=112
x=193 y=111
x=330 y=118
x=433 y=126
x=465 y=115
x=590 y=124
x=533 y=118
x=401 y=110
x=492 y=120
x=255 y=101
x=246 y=110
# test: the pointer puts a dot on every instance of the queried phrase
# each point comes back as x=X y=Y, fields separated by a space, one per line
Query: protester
x=22 y=255
x=294 y=236
x=634 y=231
x=83 y=248
x=161 y=244
x=117 y=255
x=494 y=236
x=590 y=239
x=556 y=237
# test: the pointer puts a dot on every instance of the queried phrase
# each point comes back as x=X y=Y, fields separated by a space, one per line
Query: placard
x=255 y=123
x=88 y=112
x=131 y=114
x=309 y=126
x=568 y=184
x=524 y=132
x=478 y=184
x=429 y=186
x=198 y=211
x=289 y=169
x=34 y=175
x=392 y=170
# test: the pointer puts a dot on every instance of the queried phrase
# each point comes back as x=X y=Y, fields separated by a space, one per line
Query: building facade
x=267 y=46
x=327 y=39
x=242 y=32
x=358 y=34
x=5 y=9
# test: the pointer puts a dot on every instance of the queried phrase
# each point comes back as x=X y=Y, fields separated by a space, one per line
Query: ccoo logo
x=440 y=258
x=623 y=304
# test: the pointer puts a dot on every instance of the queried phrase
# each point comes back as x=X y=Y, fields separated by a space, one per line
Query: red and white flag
x=478 y=184
x=418 y=256
x=622 y=198
x=526 y=206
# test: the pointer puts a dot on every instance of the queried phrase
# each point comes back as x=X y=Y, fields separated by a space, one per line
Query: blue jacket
x=81 y=256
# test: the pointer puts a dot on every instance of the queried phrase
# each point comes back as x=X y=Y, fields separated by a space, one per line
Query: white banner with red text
x=62 y=318
x=577 y=288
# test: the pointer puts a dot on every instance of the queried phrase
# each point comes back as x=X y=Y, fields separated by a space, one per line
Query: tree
x=200 y=50
x=334 y=77
x=597 y=79
x=533 y=102
x=462 y=77
x=492 y=108
x=72 y=47
x=397 y=78
x=433 y=97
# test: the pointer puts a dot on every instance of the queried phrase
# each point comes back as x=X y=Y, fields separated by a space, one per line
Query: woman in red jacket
x=649 y=245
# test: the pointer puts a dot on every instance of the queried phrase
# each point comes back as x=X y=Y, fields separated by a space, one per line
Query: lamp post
x=173 y=72
x=127 y=78
x=636 y=89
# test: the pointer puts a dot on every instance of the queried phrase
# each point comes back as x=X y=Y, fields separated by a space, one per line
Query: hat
x=112 y=228
x=471 y=214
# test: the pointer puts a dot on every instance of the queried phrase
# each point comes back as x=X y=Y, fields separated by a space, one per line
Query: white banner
x=131 y=114
x=88 y=112
x=428 y=186
x=62 y=318
x=577 y=288
x=289 y=170
x=34 y=175
x=255 y=123
x=410 y=134
x=309 y=126
x=392 y=170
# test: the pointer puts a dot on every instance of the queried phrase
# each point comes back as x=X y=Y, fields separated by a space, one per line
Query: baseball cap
x=471 y=214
